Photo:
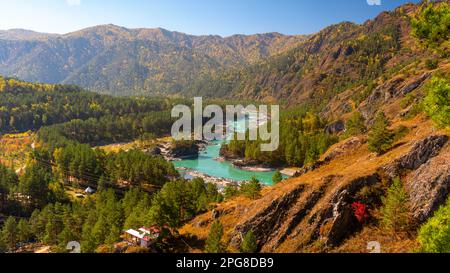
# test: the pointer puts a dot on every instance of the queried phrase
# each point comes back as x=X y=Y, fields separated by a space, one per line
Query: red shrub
x=360 y=211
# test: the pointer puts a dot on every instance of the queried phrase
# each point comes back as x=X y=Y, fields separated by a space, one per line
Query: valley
x=86 y=152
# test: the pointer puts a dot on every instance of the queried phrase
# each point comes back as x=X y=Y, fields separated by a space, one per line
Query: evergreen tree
x=8 y=180
x=277 y=177
x=395 y=210
x=380 y=137
x=249 y=244
x=138 y=214
x=102 y=184
x=54 y=225
x=231 y=191
x=34 y=183
x=431 y=25
x=3 y=247
x=213 y=242
x=23 y=231
x=213 y=194
x=9 y=233
x=251 y=189
x=355 y=125
x=37 y=224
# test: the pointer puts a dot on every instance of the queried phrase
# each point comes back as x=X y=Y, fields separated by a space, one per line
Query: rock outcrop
x=332 y=222
x=342 y=222
x=336 y=127
x=267 y=221
x=429 y=186
x=184 y=149
x=342 y=148
x=412 y=85
x=421 y=152
x=389 y=91
x=323 y=211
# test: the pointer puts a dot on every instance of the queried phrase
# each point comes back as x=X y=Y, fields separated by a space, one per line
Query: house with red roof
x=143 y=237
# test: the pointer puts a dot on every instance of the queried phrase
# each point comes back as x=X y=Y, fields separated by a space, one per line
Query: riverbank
x=221 y=183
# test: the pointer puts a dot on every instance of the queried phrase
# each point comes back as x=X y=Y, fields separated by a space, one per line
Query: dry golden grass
x=348 y=167
x=390 y=242
x=137 y=144
x=231 y=212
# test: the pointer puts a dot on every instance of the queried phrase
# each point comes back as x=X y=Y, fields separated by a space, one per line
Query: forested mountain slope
x=124 y=61
x=338 y=58
x=29 y=106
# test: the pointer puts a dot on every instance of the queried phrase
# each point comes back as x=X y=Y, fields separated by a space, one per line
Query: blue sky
x=221 y=17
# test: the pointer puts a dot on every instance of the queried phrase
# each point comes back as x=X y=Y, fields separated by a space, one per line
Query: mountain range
x=121 y=61
x=265 y=67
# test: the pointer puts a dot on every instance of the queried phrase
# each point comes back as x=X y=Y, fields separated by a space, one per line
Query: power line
x=84 y=175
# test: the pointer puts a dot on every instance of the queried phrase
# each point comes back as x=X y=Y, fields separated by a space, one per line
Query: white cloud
x=73 y=3
x=374 y=2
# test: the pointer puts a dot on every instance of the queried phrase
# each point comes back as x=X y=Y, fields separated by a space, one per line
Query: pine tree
x=3 y=247
x=277 y=177
x=231 y=191
x=380 y=137
x=395 y=210
x=7 y=179
x=249 y=244
x=251 y=189
x=9 y=233
x=23 y=231
x=34 y=183
x=102 y=184
x=355 y=125
x=213 y=243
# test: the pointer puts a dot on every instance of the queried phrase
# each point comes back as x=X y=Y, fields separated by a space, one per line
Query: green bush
x=400 y=132
x=432 y=25
x=434 y=235
x=431 y=64
x=231 y=191
x=407 y=101
x=437 y=102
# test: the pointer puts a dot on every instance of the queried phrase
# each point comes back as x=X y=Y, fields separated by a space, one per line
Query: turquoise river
x=207 y=163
